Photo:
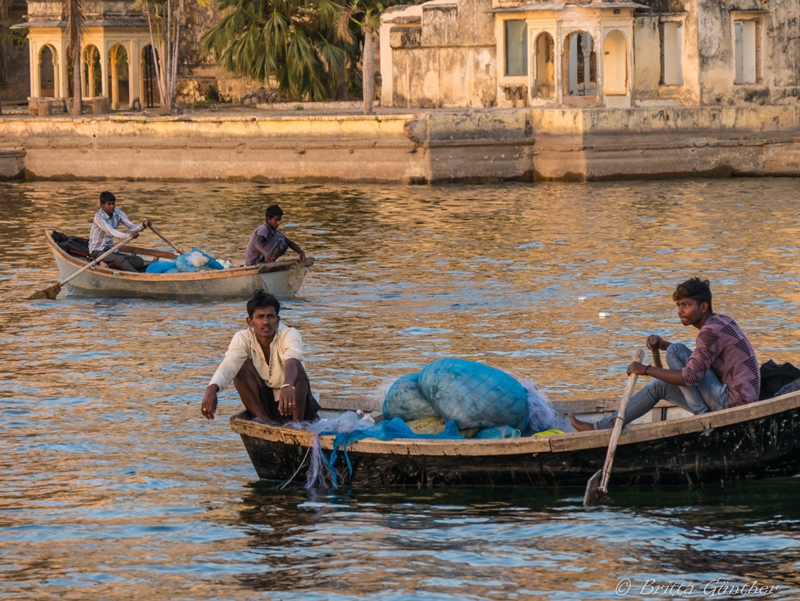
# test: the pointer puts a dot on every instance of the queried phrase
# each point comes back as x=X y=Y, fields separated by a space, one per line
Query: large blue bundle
x=474 y=395
x=196 y=260
x=161 y=267
x=406 y=401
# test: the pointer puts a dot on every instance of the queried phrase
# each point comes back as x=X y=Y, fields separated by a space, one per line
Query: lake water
x=113 y=487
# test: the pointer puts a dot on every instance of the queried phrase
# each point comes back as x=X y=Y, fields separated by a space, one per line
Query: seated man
x=104 y=230
x=265 y=364
x=722 y=371
x=267 y=243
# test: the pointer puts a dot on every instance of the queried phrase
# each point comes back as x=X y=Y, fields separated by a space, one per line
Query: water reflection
x=114 y=488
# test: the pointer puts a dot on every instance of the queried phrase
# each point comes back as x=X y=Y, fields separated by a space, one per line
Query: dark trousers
x=260 y=401
x=119 y=261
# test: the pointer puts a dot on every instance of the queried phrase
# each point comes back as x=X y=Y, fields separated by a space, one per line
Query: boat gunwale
x=570 y=442
x=253 y=270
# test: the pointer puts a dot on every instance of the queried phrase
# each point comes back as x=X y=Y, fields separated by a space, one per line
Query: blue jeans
x=709 y=395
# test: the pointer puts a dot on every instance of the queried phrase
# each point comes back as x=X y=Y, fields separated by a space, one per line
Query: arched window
x=118 y=76
x=580 y=65
x=92 y=76
x=545 y=49
x=150 y=94
x=48 y=68
x=615 y=64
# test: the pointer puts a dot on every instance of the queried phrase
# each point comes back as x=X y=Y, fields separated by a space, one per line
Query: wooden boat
x=281 y=278
x=760 y=440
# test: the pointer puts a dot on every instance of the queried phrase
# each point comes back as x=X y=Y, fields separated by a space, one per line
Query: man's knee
x=677 y=355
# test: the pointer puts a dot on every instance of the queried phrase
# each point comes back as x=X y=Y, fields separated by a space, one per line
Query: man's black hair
x=262 y=299
x=274 y=211
x=107 y=197
x=696 y=289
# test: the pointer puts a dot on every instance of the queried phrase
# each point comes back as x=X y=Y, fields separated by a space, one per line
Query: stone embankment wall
x=424 y=147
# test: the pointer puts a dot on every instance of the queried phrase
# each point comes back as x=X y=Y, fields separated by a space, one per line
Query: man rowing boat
x=265 y=364
x=722 y=371
x=104 y=230
x=266 y=243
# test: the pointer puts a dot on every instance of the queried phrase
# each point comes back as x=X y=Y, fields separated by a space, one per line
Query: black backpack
x=74 y=245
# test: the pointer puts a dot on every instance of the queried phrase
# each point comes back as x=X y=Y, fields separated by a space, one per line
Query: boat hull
x=758 y=441
x=282 y=279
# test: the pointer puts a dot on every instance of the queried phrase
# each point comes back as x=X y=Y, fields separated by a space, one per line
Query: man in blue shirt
x=104 y=230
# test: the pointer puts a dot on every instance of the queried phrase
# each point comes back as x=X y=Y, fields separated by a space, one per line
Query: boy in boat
x=104 y=230
x=722 y=371
x=267 y=243
x=265 y=364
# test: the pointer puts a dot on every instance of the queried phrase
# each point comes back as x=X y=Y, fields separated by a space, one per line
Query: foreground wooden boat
x=281 y=278
x=760 y=440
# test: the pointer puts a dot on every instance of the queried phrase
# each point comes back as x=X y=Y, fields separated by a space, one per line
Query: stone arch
x=149 y=79
x=579 y=65
x=544 y=58
x=92 y=72
x=615 y=64
x=119 y=84
x=48 y=71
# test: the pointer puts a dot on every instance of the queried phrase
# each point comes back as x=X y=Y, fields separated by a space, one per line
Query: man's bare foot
x=579 y=425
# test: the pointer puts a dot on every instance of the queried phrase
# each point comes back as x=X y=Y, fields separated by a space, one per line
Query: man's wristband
x=285 y=385
x=645 y=369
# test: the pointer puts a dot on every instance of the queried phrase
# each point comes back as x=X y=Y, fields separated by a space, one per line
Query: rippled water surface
x=113 y=487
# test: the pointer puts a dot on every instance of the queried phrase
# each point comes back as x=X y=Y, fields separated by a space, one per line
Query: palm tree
x=164 y=21
x=74 y=14
x=366 y=14
x=292 y=42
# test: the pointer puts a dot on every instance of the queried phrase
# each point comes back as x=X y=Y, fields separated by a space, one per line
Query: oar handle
x=653 y=340
x=618 y=424
x=165 y=239
x=96 y=261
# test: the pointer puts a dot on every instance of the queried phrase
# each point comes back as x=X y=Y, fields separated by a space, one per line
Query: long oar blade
x=50 y=292
x=594 y=494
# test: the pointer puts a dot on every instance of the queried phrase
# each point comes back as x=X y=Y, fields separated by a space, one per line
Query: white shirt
x=104 y=229
x=287 y=344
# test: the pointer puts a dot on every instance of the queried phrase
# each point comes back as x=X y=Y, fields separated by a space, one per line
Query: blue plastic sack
x=161 y=267
x=406 y=401
x=474 y=395
x=196 y=260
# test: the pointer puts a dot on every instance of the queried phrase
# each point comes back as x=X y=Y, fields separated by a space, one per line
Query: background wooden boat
x=755 y=441
x=281 y=278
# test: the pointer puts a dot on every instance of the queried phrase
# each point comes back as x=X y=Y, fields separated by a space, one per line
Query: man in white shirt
x=104 y=230
x=265 y=364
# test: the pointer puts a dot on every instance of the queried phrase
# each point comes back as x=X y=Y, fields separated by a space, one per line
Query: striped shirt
x=104 y=229
x=723 y=348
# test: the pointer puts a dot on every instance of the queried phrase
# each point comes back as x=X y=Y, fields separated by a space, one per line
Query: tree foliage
x=296 y=43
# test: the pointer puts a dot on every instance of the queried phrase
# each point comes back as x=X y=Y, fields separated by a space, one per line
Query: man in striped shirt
x=104 y=230
x=722 y=371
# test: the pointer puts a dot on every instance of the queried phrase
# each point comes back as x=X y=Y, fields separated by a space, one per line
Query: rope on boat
x=297 y=471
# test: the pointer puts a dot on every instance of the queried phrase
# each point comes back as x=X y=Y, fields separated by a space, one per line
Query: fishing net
x=406 y=401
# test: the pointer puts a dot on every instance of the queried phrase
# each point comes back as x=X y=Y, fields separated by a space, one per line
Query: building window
x=671 y=48
x=516 y=48
x=746 y=51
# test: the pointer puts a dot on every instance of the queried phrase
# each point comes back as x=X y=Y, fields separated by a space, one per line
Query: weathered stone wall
x=427 y=147
x=446 y=61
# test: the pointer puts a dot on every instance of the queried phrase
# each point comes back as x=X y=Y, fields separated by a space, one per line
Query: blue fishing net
x=474 y=395
x=194 y=260
x=406 y=401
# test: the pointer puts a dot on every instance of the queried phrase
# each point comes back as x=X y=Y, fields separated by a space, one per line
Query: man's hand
x=654 y=341
x=209 y=406
x=302 y=257
x=637 y=368
x=134 y=235
x=146 y=223
x=286 y=401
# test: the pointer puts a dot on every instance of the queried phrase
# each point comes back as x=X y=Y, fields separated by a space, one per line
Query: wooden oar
x=597 y=487
x=165 y=239
x=52 y=291
x=653 y=340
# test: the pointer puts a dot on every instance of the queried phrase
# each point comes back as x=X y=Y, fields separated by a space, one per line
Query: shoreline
x=410 y=147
